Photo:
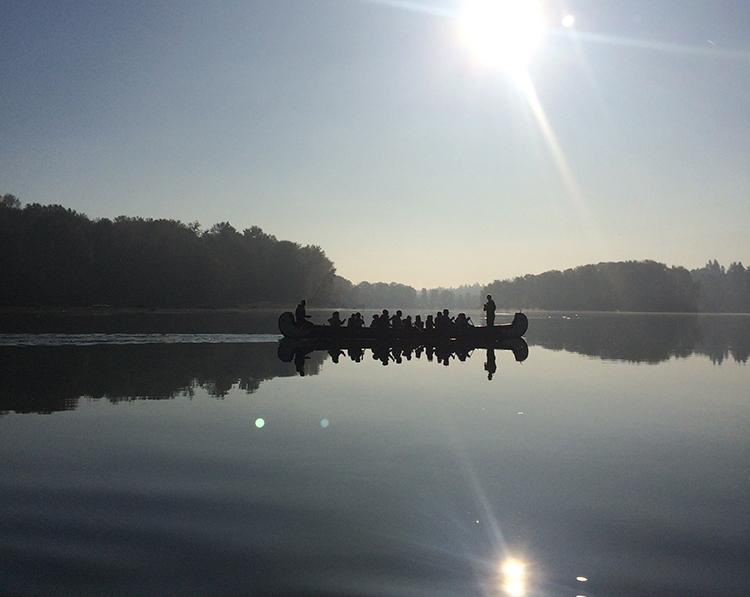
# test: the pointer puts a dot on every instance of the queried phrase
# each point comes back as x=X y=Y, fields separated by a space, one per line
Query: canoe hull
x=516 y=329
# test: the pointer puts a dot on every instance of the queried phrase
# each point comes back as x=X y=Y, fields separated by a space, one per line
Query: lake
x=613 y=460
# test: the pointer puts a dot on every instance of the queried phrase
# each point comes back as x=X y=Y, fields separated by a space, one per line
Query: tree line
x=50 y=255
x=629 y=286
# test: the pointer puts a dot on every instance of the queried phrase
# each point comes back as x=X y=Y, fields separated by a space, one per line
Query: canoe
x=516 y=329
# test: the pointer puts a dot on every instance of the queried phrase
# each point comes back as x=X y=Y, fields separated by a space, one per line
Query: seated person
x=462 y=322
x=375 y=322
x=429 y=323
x=355 y=321
x=384 y=318
x=418 y=323
x=396 y=320
x=447 y=319
x=335 y=320
x=406 y=324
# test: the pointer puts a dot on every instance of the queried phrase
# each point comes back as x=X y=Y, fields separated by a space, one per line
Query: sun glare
x=513 y=577
x=502 y=33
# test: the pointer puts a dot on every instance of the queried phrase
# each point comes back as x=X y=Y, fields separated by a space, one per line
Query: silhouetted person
x=418 y=323
x=447 y=320
x=439 y=321
x=335 y=320
x=375 y=322
x=356 y=321
x=384 y=318
x=406 y=324
x=300 y=315
x=490 y=366
x=489 y=309
x=462 y=322
x=429 y=323
x=396 y=320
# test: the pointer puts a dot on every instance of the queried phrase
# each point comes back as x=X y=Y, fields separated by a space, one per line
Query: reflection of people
x=490 y=366
x=489 y=309
x=335 y=353
x=299 y=313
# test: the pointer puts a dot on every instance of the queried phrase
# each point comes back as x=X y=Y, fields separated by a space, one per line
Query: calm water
x=619 y=451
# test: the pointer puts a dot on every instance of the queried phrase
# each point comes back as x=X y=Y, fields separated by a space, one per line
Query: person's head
x=302 y=302
x=445 y=312
x=418 y=318
x=408 y=318
x=429 y=317
x=385 y=311
x=489 y=297
x=399 y=313
x=336 y=314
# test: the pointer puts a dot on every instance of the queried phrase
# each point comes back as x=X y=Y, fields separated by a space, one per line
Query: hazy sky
x=370 y=129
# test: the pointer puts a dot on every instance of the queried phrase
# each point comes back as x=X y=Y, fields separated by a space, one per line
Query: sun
x=502 y=33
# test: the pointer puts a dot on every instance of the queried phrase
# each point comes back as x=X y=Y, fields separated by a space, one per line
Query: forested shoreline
x=51 y=256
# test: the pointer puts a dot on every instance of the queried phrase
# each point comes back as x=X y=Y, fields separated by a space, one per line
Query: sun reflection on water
x=513 y=577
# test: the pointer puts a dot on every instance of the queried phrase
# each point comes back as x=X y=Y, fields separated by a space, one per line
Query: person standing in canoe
x=489 y=309
x=300 y=315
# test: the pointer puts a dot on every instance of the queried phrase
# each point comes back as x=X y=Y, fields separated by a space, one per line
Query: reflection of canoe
x=289 y=348
x=516 y=329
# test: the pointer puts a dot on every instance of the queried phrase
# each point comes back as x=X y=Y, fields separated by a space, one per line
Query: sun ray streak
x=411 y=6
x=567 y=176
x=658 y=46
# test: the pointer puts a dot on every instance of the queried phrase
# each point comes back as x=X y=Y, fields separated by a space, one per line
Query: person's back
x=335 y=320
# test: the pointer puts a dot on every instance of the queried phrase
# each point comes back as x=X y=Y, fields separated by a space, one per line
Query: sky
x=372 y=128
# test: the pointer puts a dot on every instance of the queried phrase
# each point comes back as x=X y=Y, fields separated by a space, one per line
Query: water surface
x=618 y=451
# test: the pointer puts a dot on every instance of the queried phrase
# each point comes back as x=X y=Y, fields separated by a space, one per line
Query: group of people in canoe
x=441 y=321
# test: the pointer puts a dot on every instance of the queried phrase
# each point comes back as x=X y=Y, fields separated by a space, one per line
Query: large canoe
x=517 y=328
